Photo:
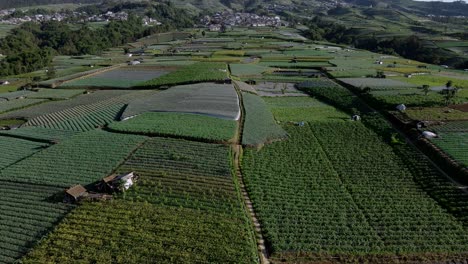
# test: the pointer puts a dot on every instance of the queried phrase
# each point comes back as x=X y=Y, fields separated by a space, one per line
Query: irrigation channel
x=237 y=150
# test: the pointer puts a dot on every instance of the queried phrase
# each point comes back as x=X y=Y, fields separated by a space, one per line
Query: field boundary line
x=237 y=149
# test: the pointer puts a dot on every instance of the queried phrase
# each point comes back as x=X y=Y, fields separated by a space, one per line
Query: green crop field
x=96 y=97
x=433 y=80
x=375 y=83
x=299 y=109
x=436 y=113
x=248 y=70
x=84 y=158
x=461 y=126
x=186 y=195
x=14 y=150
x=198 y=72
x=40 y=133
x=28 y=213
x=260 y=126
x=15 y=104
x=455 y=144
x=55 y=94
x=124 y=77
x=329 y=176
x=192 y=126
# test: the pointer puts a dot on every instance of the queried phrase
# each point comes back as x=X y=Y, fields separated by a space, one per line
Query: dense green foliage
x=87 y=116
x=40 y=133
x=83 y=159
x=28 y=213
x=191 y=126
x=298 y=109
x=14 y=150
x=259 y=126
x=454 y=144
x=31 y=46
x=198 y=72
x=14 y=104
x=368 y=211
x=135 y=232
x=185 y=206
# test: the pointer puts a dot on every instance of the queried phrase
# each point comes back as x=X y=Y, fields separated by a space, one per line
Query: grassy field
x=181 y=125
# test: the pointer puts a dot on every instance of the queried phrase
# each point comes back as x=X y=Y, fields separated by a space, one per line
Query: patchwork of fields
x=235 y=136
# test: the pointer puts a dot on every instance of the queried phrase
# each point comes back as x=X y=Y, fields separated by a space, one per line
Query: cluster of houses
x=229 y=19
x=79 y=16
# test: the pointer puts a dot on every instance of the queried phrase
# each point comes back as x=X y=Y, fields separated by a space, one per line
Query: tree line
x=32 y=46
x=411 y=47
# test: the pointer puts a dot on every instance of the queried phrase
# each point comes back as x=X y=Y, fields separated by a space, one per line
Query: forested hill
x=20 y=3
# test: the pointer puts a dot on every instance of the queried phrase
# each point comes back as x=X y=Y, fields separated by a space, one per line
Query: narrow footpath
x=237 y=150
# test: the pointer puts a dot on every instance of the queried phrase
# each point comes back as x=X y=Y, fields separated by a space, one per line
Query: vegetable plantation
x=329 y=179
x=454 y=144
x=198 y=72
x=124 y=77
x=83 y=159
x=183 y=125
x=259 y=126
x=15 y=149
x=6 y=106
x=39 y=133
x=28 y=213
x=136 y=232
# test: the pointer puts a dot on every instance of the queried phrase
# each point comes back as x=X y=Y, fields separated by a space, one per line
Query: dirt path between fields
x=237 y=150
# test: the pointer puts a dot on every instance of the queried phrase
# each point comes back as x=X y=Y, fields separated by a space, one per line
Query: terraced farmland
x=6 y=106
x=124 y=77
x=362 y=219
x=186 y=204
x=259 y=126
x=180 y=125
x=454 y=144
x=83 y=159
x=198 y=72
x=28 y=213
x=14 y=150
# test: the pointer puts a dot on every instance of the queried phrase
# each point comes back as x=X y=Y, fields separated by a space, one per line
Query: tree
x=449 y=84
x=425 y=89
x=449 y=94
x=51 y=72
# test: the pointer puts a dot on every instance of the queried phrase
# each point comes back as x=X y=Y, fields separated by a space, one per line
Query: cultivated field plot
x=354 y=212
x=218 y=100
x=186 y=205
x=198 y=72
x=436 y=114
x=83 y=159
x=15 y=95
x=124 y=77
x=28 y=213
x=138 y=232
x=454 y=144
x=55 y=93
x=375 y=83
x=183 y=125
x=259 y=126
x=273 y=89
x=57 y=106
x=14 y=104
x=39 y=133
x=461 y=126
x=88 y=116
x=14 y=150
x=184 y=173
x=297 y=109
x=248 y=70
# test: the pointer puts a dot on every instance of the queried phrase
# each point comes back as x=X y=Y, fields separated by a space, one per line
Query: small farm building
x=74 y=194
x=355 y=118
x=117 y=182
